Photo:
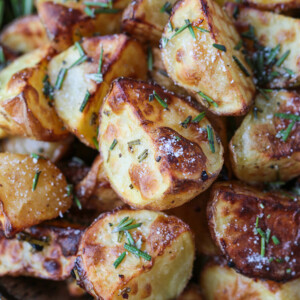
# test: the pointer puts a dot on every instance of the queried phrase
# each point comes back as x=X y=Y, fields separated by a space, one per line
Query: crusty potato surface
x=192 y=292
x=274 y=5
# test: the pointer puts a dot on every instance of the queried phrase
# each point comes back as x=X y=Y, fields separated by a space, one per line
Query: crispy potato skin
x=24 y=109
x=257 y=153
x=20 y=206
x=198 y=66
x=233 y=212
x=270 y=30
x=175 y=177
x=218 y=281
x=192 y=292
x=273 y=5
x=144 y=20
x=24 y=34
x=66 y=22
x=122 y=56
x=55 y=261
x=167 y=239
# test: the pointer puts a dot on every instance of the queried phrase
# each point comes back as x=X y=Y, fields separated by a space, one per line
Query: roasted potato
x=32 y=190
x=24 y=35
x=218 y=281
x=274 y=5
x=206 y=63
x=270 y=30
x=256 y=231
x=146 y=19
x=155 y=156
x=121 y=56
x=53 y=151
x=160 y=270
x=25 y=107
x=44 y=251
x=263 y=149
x=192 y=292
x=68 y=21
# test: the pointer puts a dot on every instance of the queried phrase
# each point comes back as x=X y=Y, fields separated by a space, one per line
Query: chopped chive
x=282 y=58
x=137 y=252
x=170 y=27
x=79 y=61
x=199 y=117
x=275 y=240
x=2 y=57
x=164 y=42
x=238 y=45
x=79 y=48
x=77 y=202
x=289 y=71
x=132 y=226
x=95 y=142
x=263 y=246
x=60 y=78
x=36 y=156
x=123 y=221
x=119 y=259
x=1 y=12
x=120 y=236
x=134 y=142
x=185 y=123
x=107 y=11
x=261 y=233
x=201 y=29
x=99 y=4
x=100 y=61
x=36 y=179
x=273 y=54
x=113 y=145
x=162 y=102
x=69 y=190
x=191 y=30
x=240 y=65
x=210 y=136
x=263 y=93
x=288 y=271
x=89 y=12
x=48 y=89
x=249 y=34
x=286 y=132
x=179 y=30
x=150 y=59
x=271 y=259
x=220 y=47
x=256 y=222
x=97 y=77
x=288 y=116
x=129 y=238
x=85 y=101
x=268 y=234
x=208 y=99
x=177 y=138
x=166 y=8
x=151 y=97
x=143 y=155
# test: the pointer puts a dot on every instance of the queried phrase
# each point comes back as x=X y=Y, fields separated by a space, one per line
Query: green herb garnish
x=143 y=155
x=79 y=61
x=80 y=49
x=166 y=8
x=150 y=58
x=162 y=102
x=137 y=252
x=36 y=179
x=280 y=61
x=273 y=54
x=185 y=123
x=119 y=259
x=241 y=66
x=134 y=142
x=85 y=101
x=60 y=78
x=199 y=117
x=208 y=99
x=48 y=89
x=210 y=136
x=113 y=145
x=275 y=240
x=220 y=47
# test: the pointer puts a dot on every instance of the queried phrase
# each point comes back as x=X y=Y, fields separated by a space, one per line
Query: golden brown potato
x=32 y=190
x=24 y=34
x=258 y=149
x=271 y=30
x=274 y=5
x=160 y=269
x=258 y=232
x=25 y=107
x=68 y=21
x=192 y=292
x=206 y=63
x=155 y=155
x=74 y=289
x=44 y=251
x=146 y=19
x=218 y=281
x=121 y=57
x=53 y=151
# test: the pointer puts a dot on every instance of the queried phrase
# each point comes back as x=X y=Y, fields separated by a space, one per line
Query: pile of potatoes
x=151 y=149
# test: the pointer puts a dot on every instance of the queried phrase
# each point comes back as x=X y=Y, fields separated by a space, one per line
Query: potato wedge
x=68 y=21
x=206 y=63
x=258 y=151
x=271 y=30
x=121 y=57
x=24 y=34
x=25 y=108
x=218 y=281
x=26 y=198
x=151 y=157
x=44 y=251
x=163 y=271
x=146 y=19
x=257 y=231
x=192 y=292
x=274 y=5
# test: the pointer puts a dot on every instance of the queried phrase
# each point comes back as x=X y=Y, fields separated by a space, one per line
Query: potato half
x=200 y=57
x=155 y=156
x=25 y=107
x=165 y=241
x=32 y=190
x=257 y=231
x=44 y=251
x=263 y=149
x=68 y=21
x=121 y=56
x=218 y=281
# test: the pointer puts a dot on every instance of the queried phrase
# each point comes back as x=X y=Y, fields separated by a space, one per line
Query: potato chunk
x=257 y=231
x=121 y=56
x=206 y=63
x=146 y=19
x=270 y=31
x=218 y=281
x=68 y=21
x=167 y=249
x=27 y=197
x=155 y=156
x=274 y=5
x=24 y=34
x=263 y=149
x=44 y=251
x=25 y=108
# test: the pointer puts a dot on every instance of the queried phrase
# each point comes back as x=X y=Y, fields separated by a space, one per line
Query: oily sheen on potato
x=159 y=150
x=198 y=49
x=32 y=190
x=158 y=269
